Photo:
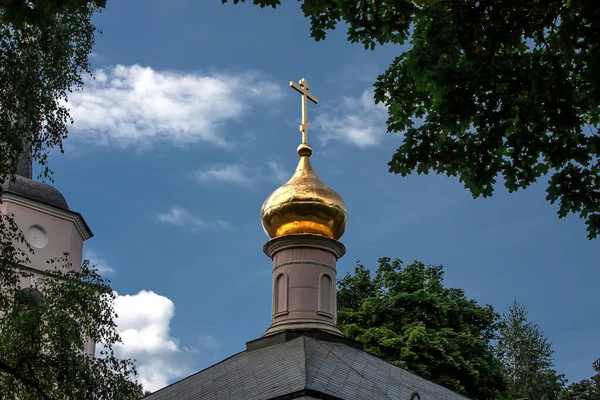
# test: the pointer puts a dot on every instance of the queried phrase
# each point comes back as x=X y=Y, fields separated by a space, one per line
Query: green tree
x=44 y=54
x=44 y=51
x=404 y=315
x=527 y=357
x=488 y=88
x=43 y=334
x=586 y=389
x=42 y=12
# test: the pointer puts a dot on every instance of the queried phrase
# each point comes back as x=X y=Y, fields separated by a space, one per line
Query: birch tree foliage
x=526 y=355
x=44 y=54
x=44 y=332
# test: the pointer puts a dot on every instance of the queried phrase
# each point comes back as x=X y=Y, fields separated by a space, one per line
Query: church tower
x=304 y=219
x=50 y=227
x=303 y=354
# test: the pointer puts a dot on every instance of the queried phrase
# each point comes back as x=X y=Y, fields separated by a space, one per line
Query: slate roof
x=304 y=366
x=35 y=190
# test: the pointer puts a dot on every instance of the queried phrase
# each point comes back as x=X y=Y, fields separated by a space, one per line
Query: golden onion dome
x=304 y=205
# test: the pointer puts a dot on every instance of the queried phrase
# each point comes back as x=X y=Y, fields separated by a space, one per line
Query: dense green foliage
x=407 y=317
x=404 y=315
x=488 y=89
x=526 y=355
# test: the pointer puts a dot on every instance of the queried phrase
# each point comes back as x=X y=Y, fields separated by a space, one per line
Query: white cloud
x=104 y=268
x=242 y=175
x=139 y=106
x=181 y=217
x=227 y=173
x=356 y=121
x=143 y=323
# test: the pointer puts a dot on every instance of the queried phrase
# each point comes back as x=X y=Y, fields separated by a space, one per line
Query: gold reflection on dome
x=304 y=204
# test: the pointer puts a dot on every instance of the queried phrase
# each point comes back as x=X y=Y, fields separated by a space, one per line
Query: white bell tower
x=50 y=227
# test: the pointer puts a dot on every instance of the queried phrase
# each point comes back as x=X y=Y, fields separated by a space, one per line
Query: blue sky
x=190 y=125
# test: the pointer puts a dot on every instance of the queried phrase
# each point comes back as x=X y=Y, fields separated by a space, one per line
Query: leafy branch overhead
x=488 y=90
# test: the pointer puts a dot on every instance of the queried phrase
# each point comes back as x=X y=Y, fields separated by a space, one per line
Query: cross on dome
x=302 y=88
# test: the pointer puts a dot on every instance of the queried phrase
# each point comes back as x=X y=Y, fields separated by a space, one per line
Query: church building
x=303 y=354
x=50 y=227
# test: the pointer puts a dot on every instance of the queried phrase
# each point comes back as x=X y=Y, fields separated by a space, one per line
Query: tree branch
x=30 y=382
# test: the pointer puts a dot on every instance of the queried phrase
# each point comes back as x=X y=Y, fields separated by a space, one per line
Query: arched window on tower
x=326 y=294
x=281 y=294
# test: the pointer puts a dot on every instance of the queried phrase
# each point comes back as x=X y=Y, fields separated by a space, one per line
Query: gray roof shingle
x=303 y=366
x=35 y=190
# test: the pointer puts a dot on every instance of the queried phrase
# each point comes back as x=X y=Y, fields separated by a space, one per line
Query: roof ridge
x=340 y=359
x=305 y=372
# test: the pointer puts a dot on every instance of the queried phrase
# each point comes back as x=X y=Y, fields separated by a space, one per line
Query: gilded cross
x=302 y=88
